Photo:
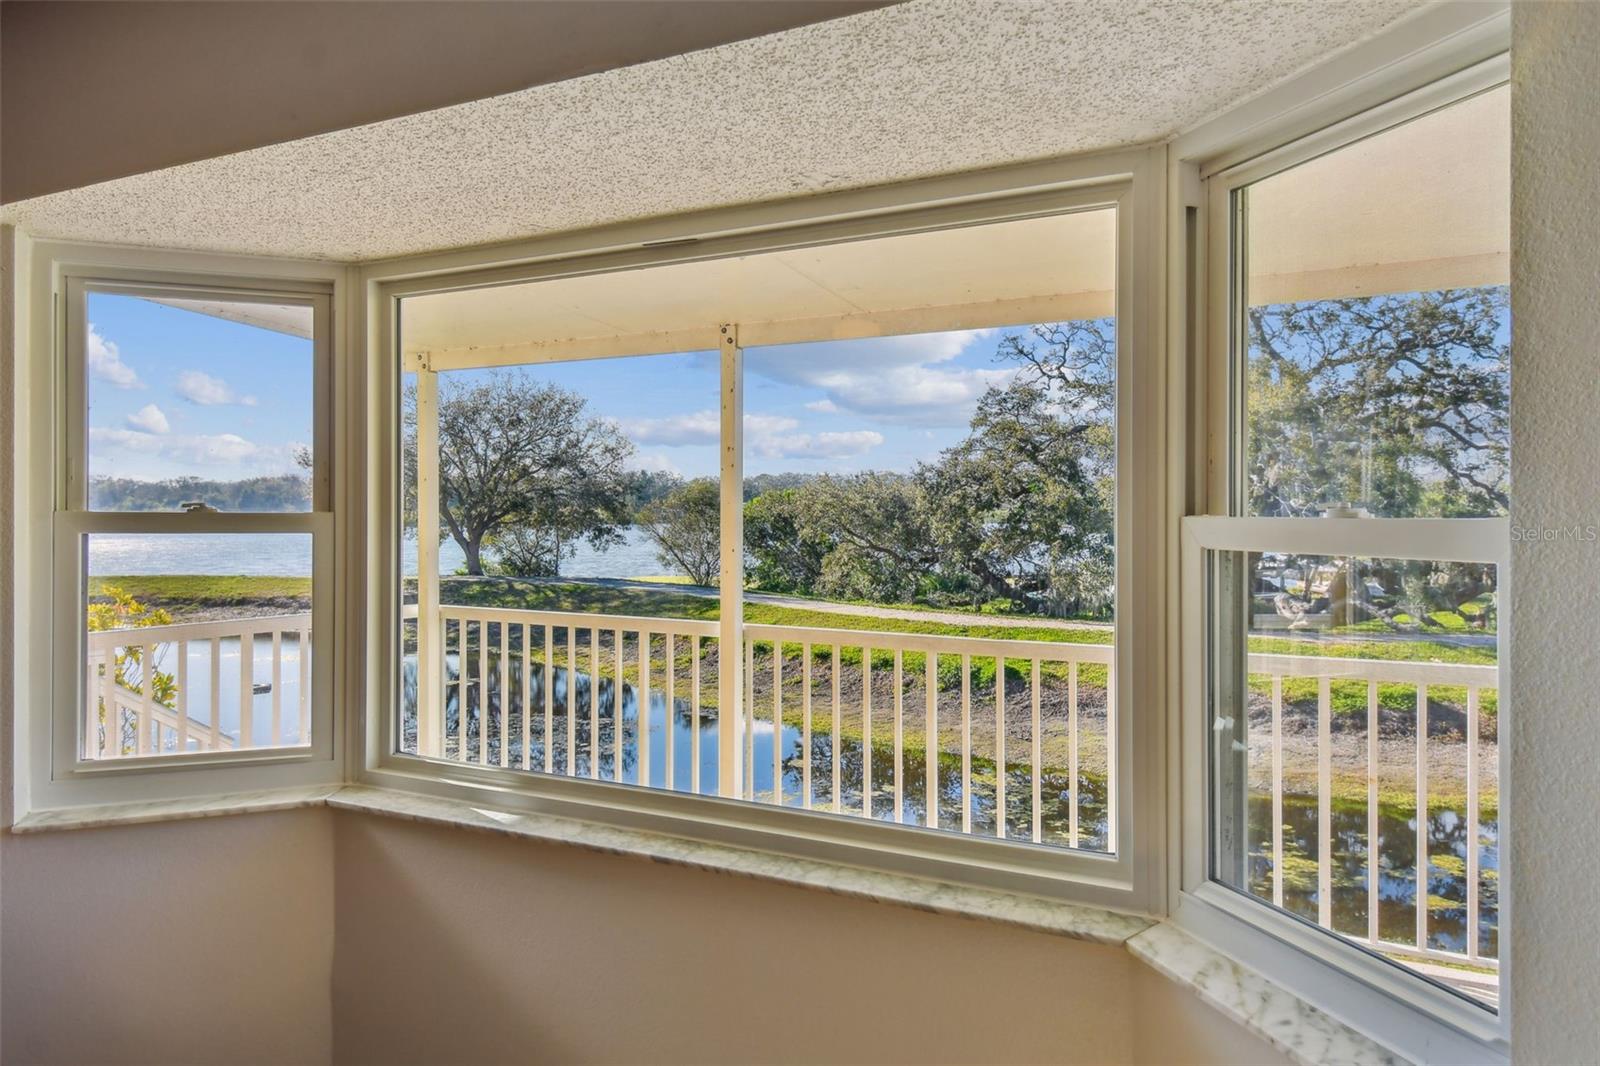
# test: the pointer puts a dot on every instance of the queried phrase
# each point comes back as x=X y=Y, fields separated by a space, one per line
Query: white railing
x=840 y=691
x=1474 y=679
x=533 y=664
x=133 y=716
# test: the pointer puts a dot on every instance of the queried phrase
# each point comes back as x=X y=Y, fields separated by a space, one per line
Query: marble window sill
x=1285 y=1021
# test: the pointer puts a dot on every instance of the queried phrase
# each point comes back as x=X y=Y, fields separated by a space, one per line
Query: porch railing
x=1474 y=680
x=902 y=724
x=159 y=704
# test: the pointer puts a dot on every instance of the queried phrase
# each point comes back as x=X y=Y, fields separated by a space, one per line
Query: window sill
x=1288 y=1023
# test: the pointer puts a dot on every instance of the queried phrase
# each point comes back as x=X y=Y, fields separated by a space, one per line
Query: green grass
x=205 y=590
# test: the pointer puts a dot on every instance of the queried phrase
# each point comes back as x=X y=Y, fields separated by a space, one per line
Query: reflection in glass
x=1363 y=692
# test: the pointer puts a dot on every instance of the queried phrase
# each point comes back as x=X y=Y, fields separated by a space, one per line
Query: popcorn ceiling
x=922 y=88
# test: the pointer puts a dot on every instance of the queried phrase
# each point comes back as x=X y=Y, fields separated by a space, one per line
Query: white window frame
x=53 y=519
x=1401 y=1009
x=1130 y=181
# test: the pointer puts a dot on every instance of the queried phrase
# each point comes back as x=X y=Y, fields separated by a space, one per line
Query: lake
x=289 y=555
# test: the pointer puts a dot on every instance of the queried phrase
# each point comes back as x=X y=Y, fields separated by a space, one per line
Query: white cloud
x=654 y=463
x=767 y=435
x=895 y=379
x=105 y=362
x=150 y=419
x=828 y=445
x=701 y=427
x=201 y=388
x=217 y=449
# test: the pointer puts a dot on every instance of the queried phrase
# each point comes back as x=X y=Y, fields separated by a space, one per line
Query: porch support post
x=430 y=657
x=730 y=631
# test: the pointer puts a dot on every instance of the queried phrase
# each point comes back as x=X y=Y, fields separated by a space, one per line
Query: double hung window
x=1352 y=582
x=193 y=528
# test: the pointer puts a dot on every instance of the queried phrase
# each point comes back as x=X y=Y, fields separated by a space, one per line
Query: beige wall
x=203 y=941
x=468 y=947
x=1554 y=807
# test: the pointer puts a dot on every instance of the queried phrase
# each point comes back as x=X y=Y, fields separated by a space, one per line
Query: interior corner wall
x=1554 y=796
x=202 y=941
x=471 y=947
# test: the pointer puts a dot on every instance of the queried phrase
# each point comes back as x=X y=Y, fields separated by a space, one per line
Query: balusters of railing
x=1373 y=865
x=572 y=700
x=617 y=730
x=1038 y=756
x=215 y=646
x=1422 y=818
x=1072 y=752
x=1277 y=790
x=247 y=689
x=1472 y=823
x=1000 y=747
x=461 y=689
x=749 y=720
x=113 y=713
x=549 y=657
x=866 y=731
x=805 y=726
x=524 y=690
x=483 y=693
x=302 y=643
x=899 y=736
x=146 y=697
x=594 y=701
x=1324 y=801
x=277 y=686
x=777 y=722
x=930 y=738
x=646 y=657
x=669 y=726
x=966 y=743
x=694 y=719
x=834 y=763
x=182 y=723
x=502 y=717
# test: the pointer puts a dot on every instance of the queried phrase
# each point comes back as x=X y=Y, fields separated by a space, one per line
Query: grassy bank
x=205 y=590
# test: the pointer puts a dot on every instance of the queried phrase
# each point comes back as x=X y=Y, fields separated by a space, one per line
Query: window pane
x=197 y=642
x=198 y=402
x=1369 y=693
x=1377 y=325
x=931 y=493
x=588 y=488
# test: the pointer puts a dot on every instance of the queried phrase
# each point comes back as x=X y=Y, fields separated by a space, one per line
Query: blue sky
x=829 y=407
x=174 y=393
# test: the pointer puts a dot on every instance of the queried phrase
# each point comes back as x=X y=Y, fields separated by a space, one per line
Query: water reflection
x=593 y=744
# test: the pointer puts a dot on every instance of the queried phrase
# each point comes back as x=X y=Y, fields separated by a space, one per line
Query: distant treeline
x=283 y=492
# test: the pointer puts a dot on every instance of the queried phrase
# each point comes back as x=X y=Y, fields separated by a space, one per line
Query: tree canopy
x=686 y=526
x=1398 y=403
x=525 y=473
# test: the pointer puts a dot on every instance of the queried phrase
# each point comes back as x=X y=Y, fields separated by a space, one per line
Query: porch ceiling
x=1043 y=269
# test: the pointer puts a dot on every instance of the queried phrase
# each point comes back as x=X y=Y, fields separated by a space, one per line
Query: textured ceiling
x=921 y=88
